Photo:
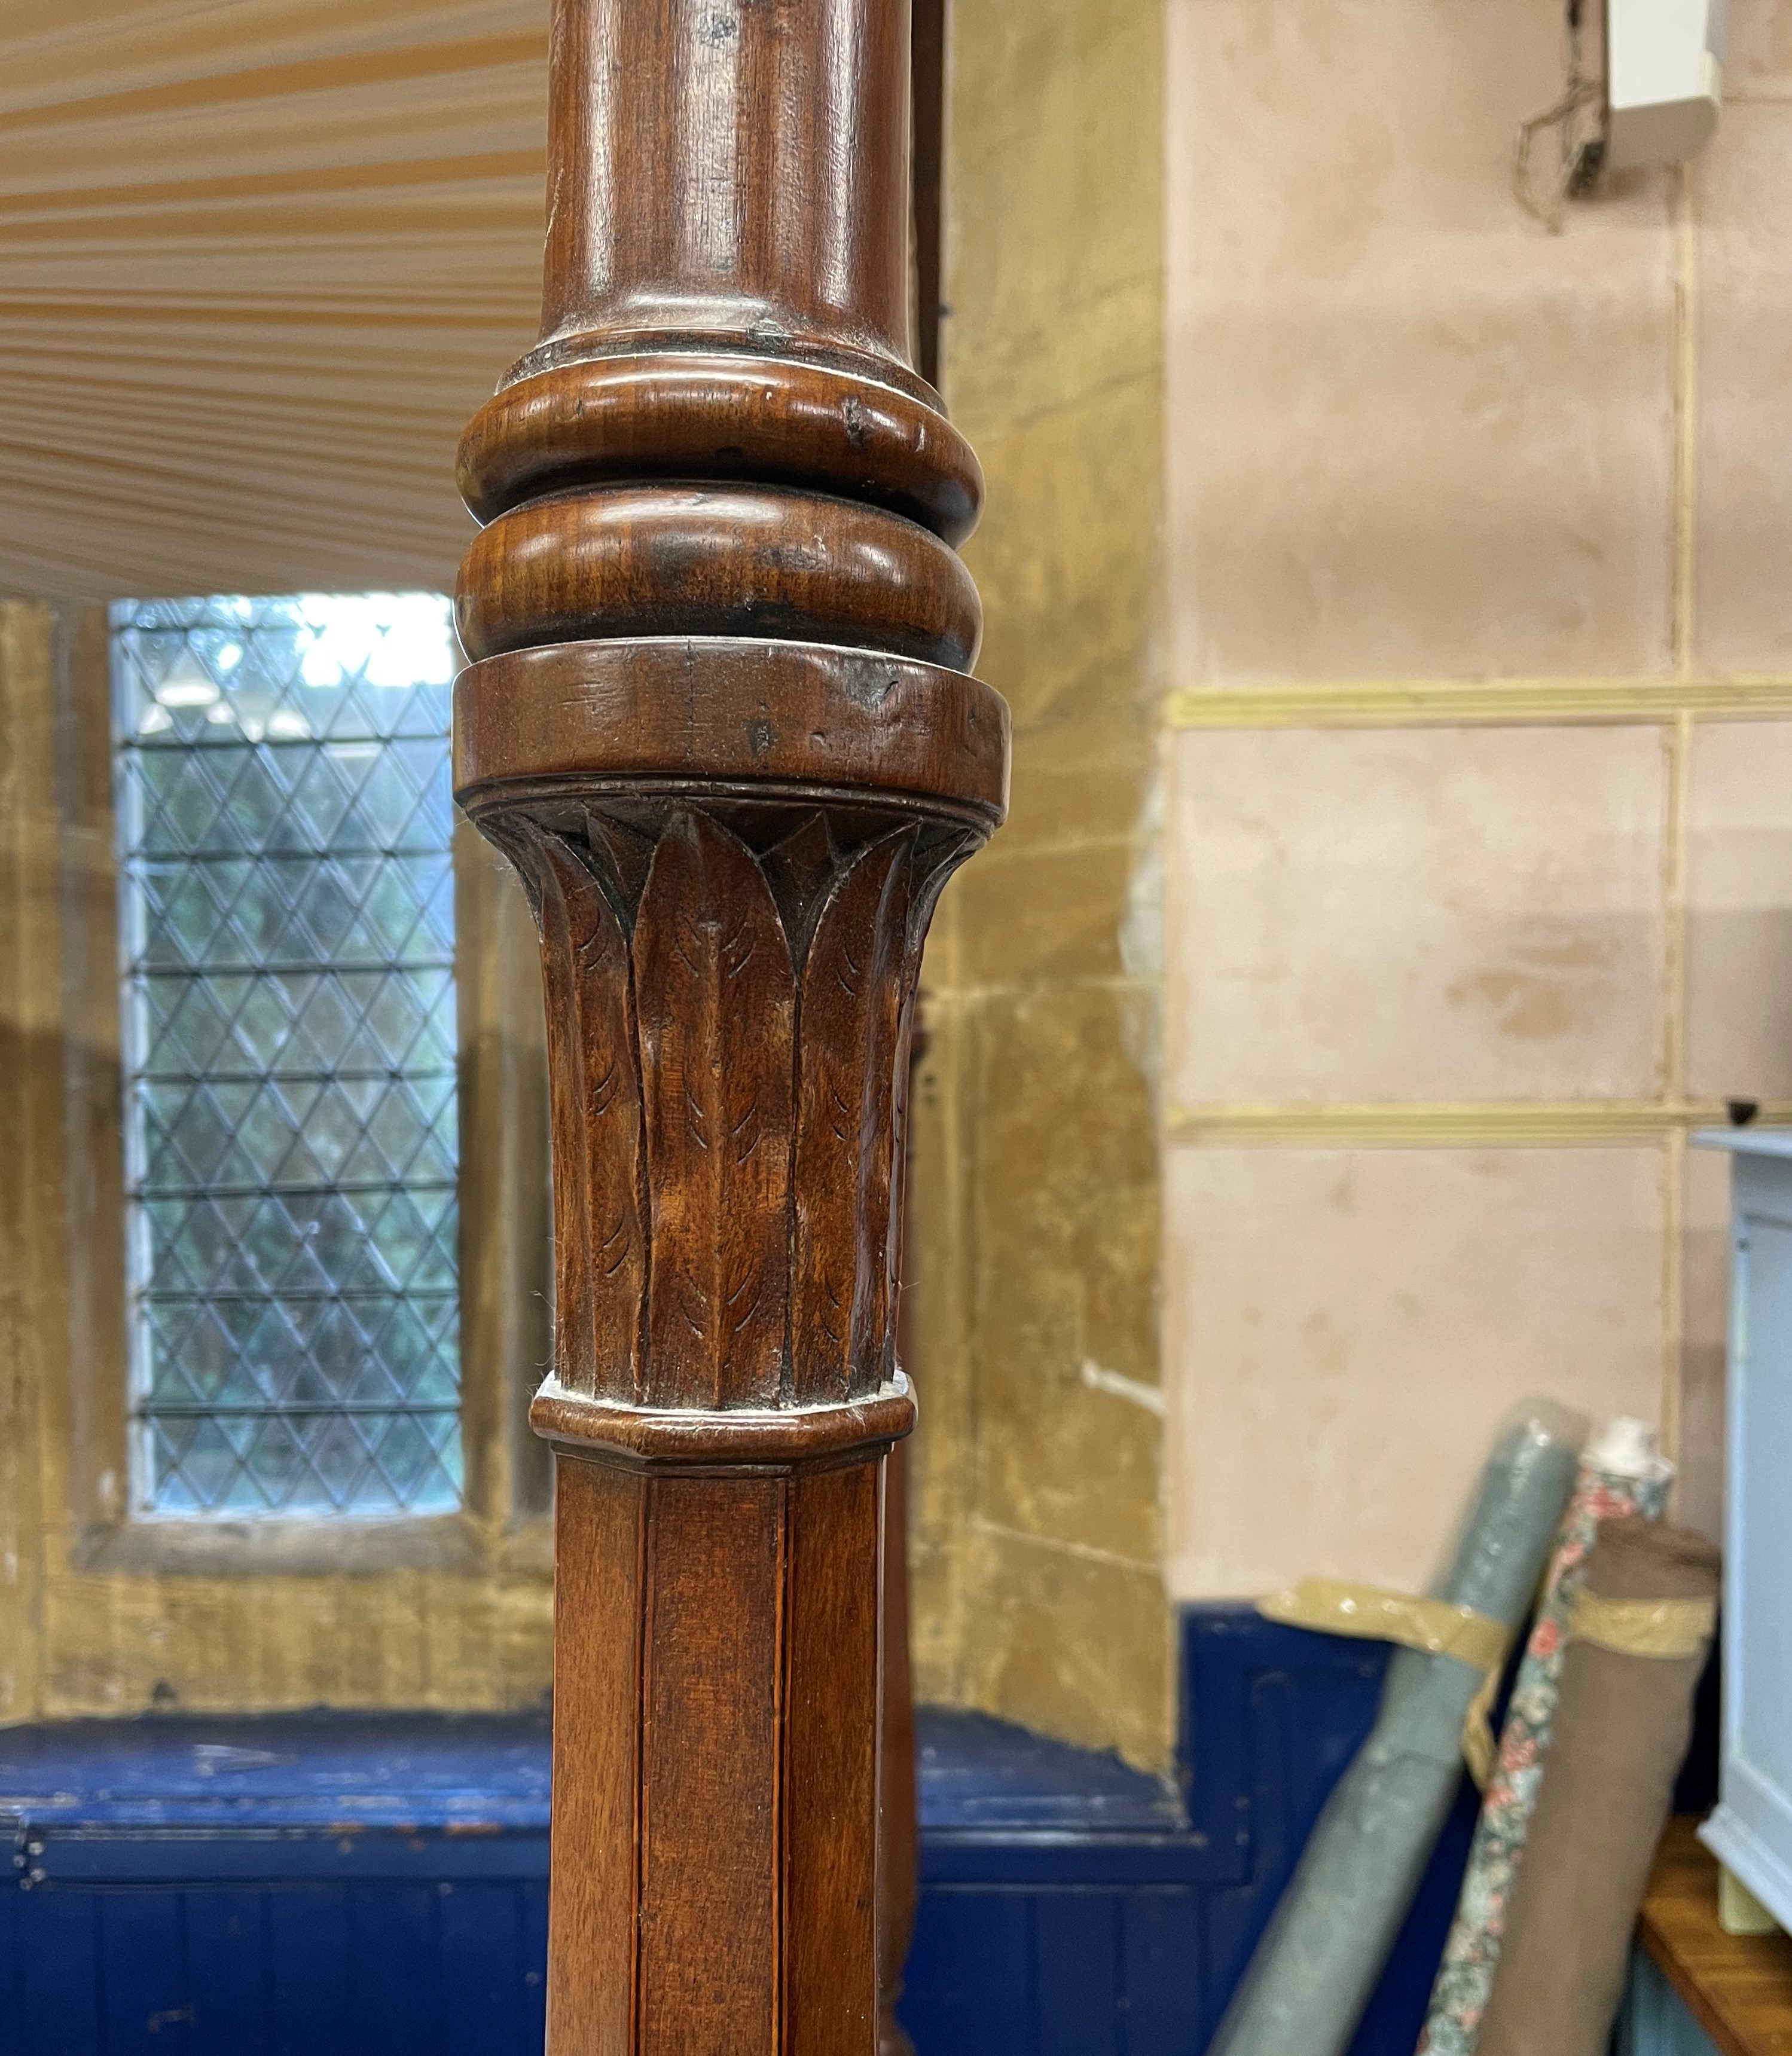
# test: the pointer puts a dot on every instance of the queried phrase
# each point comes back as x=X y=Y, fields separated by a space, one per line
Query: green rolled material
x=1329 y=1941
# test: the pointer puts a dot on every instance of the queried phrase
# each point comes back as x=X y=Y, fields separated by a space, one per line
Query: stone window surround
x=505 y=1267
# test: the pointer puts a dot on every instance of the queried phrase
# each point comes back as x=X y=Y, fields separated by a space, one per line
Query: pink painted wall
x=1445 y=994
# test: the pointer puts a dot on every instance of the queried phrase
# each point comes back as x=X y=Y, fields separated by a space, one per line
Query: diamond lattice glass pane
x=288 y=928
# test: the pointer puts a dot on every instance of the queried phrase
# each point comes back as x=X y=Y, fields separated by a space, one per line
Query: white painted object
x=1750 y=1833
x=1627 y=1447
x=1663 y=80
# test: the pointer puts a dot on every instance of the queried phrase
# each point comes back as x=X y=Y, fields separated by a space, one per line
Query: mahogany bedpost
x=899 y=1824
x=898 y=1879
x=719 y=715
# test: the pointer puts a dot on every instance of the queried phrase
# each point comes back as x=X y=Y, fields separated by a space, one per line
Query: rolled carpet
x=1621 y=1474
x=1327 y=1941
x=1639 y=1635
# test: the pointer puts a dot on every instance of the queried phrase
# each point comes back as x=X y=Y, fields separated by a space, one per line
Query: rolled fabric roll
x=1640 y=1636
x=1327 y=1941
x=1621 y=1474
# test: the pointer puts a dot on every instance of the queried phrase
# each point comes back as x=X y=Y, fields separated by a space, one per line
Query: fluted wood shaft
x=720 y=716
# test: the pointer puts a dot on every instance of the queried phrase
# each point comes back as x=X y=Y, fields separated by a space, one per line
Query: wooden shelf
x=1738 y=1987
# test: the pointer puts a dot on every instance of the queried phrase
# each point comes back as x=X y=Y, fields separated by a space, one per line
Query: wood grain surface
x=695 y=415
x=578 y=715
x=721 y=719
x=899 y=1885
x=729 y=991
x=595 y=1106
x=714 y=1785
x=599 y=1593
x=730 y=168
x=830 y=1863
x=1738 y=1987
x=678 y=559
x=854 y=985
x=717 y=1004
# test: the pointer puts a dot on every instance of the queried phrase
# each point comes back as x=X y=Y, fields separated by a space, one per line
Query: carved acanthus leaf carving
x=729 y=1003
x=600 y=1254
x=852 y=1008
x=718 y=1022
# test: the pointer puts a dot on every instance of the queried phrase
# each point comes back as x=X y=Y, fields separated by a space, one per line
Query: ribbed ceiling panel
x=259 y=263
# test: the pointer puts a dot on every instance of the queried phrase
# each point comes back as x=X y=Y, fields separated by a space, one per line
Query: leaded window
x=290 y=1151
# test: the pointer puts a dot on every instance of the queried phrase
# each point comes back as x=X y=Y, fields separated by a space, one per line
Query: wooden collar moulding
x=719 y=717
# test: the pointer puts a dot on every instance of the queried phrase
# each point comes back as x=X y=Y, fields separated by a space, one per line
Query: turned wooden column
x=899 y=1824
x=720 y=718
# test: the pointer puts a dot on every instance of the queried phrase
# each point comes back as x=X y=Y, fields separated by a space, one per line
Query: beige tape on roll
x=1480 y=1747
x=1664 y=1628
x=1335 y=1606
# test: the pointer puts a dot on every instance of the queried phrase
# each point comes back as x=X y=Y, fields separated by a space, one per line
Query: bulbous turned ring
x=716 y=560
x=572 y=718
x=792 y=1438
x=690 y=415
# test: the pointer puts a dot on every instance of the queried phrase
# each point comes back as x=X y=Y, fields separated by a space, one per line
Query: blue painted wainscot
x=328 y=1885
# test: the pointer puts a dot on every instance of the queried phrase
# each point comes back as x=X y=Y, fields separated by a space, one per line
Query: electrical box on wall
x=1663 y=80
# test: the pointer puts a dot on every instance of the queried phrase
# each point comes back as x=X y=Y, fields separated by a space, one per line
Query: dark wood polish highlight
x=721 y=720
x=713 y=1790
x=855 y=990
x=638 y=560
x=899 y=1885
x=600 y=1239
x=695 y=416
x=830 y=1958
x=718 y=1008
x=599 y=1539
x=788 y=715
x=730 y=168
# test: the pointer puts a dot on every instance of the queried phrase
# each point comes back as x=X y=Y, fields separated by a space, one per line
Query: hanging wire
x=1579 y=160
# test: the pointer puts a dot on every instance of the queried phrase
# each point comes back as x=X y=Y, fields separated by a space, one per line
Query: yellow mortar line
x=1677 y=773
x=1679 y=754
x=1673 y=1288
x=1676 y=851
x=1685 y=373
x=1479 y=702
x=1084 y=1552
x=1674 y=702
x=1468 y=1124
x=1674 y=894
